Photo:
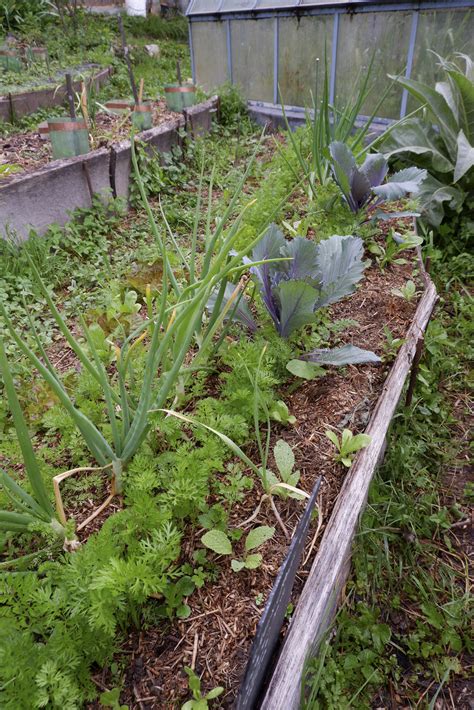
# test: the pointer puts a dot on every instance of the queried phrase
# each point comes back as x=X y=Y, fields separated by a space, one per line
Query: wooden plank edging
x=331 y=566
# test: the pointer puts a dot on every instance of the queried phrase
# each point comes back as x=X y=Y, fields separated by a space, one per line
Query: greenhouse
x=270 y=48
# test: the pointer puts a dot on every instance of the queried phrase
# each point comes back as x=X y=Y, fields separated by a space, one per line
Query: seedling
x=111 y=699
x=280 y=413
x=285 y=461
x=199 y=701
x=219 y=542
x=394 y=245
x=348 y=446
x=408 y=291
x=392 y=345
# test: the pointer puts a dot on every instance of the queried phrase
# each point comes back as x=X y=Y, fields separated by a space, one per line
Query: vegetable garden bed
x=21 y=103
x=204 y=477
x=217 y=636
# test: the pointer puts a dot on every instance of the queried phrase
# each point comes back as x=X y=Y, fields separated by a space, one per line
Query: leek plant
x=327 y=123
x=33 y=509
x=171 y=330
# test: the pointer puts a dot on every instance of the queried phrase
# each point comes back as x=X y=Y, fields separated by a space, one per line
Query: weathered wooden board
x=271 y=621
x=330 y=569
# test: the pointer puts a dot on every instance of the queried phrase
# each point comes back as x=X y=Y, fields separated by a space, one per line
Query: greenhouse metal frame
x=222 y=34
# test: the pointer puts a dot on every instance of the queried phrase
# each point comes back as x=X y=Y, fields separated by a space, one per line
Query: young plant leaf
x=345 y=355
x=305 y=370
x=284 y=458
x=218 y=542
x=253 y=561
x=258 y=536
x=237 y=565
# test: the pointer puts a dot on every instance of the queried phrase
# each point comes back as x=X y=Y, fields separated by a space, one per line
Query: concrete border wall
x=15 y=106
x=48 y=196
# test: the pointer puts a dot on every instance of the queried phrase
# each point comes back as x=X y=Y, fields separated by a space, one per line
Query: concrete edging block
x=199 y=117
x=50 y=194
x=47 y=196
x=159 y=139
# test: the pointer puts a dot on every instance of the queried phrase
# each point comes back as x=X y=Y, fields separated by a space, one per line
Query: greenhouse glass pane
x=302 y=42
x=210 y=53
x=235 y=5
x=444 y=32
x=269 y=4
x=252 y=57
x=385 y=33
x=201 y=6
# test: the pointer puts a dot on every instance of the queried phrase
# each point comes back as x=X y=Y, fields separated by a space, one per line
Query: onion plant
x=175 y=322
x=33 y=509
x=327 y=123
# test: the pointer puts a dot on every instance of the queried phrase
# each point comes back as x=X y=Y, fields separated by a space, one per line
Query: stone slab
x=199 y=117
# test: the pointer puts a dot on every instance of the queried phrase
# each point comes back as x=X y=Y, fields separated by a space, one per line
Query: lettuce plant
x=363 y=186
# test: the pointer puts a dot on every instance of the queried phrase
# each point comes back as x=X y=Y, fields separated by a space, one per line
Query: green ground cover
x=403 y=632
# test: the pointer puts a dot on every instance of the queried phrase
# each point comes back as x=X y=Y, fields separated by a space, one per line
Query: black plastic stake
x=127 y=59
x=178 y=73
x=269 y=626
x=70 y=96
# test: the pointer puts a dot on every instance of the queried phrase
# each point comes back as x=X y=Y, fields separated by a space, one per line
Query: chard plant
x=364 y=187
x=35 y=509
x=168 y=332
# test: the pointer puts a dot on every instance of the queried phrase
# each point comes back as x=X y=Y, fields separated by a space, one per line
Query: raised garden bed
x=18 y=104
x=30 y=151
x=217 y=637
x=36 y=199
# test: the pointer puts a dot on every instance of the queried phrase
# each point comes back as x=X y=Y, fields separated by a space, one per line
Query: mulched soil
x=216 y=638
x=30 y=152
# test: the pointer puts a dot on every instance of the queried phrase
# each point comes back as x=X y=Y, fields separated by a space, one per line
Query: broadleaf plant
x=219 y=542
x=363 y=186
x=442 y=141
x=348 y=445
x=297 y=277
